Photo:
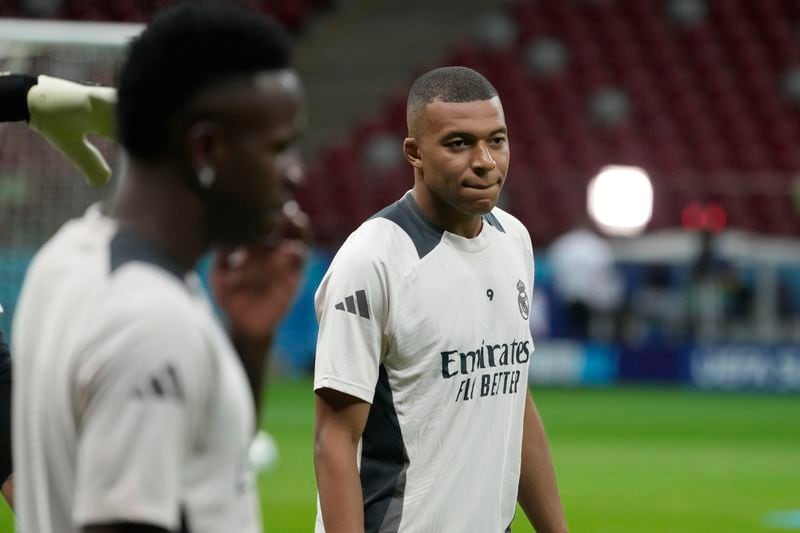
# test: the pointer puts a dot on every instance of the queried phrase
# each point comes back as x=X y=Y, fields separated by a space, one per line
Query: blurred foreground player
x=423 y=420
x=132 y=411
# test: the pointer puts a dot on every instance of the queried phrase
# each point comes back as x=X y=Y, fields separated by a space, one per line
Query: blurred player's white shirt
x=432 y=329
x=130 y=405
x=583 y=270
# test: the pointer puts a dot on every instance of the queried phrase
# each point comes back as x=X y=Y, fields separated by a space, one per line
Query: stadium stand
x=703 y=95
x=294 y=14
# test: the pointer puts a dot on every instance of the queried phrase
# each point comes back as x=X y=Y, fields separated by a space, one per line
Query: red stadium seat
x=706 y=108
x=294 y=14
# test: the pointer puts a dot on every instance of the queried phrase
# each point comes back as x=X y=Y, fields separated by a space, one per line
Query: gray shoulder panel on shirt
x=425 y=235
x=492 y=220
x=405 y=213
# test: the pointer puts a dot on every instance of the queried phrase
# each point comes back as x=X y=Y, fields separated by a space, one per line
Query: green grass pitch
x=629 y=460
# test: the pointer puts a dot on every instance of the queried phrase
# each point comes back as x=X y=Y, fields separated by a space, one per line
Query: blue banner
x=571 y=363
x=744 y=367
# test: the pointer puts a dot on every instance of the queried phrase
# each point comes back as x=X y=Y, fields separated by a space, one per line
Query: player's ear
x=411 y=152
x=205 y=145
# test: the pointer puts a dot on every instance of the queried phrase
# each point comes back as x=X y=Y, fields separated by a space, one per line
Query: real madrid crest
x=522 y=300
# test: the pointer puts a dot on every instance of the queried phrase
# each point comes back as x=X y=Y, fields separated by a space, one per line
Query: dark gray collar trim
x=408 y=202
x=127 y=246
x=424 y=234
x=492 y=220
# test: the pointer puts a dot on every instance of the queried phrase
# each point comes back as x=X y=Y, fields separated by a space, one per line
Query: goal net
x=39 y=188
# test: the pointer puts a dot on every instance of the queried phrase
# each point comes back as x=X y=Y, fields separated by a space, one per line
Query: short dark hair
x=448 y=84
x=185 y=50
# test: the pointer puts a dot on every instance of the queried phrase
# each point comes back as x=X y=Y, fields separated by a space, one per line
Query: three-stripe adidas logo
x=164 y=384
x=355 y=304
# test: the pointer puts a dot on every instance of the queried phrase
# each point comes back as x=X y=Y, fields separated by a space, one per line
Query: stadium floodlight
x=620 y=200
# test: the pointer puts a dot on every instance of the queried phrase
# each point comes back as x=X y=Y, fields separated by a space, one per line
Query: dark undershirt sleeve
x=14 y=97
x=5 y=411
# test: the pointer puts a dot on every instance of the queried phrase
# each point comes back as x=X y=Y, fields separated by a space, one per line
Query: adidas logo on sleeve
x=355 y=304
x=164 y=384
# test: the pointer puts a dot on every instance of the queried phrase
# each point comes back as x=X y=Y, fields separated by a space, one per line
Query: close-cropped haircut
x=185 y=50
x=448 y=84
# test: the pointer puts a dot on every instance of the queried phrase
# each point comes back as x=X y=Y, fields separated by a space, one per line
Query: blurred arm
x=538 y=490
x=14 y=97
x=255 y=286
x=254 y=354
x=8 y=490
x=340 y=421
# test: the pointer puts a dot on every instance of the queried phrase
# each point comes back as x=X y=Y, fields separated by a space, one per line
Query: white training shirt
x=431 y=328
x=130 y=404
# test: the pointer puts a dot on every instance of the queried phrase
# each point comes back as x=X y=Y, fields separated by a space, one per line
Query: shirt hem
x=360 y=392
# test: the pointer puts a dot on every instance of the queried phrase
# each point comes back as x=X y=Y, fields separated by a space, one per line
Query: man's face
x=258 y=165
x=463 y=154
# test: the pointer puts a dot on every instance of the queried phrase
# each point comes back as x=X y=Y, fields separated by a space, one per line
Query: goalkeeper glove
x=65 y=113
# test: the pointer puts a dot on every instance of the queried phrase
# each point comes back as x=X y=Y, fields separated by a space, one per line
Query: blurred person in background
x=131 y=410
x=586 y=281
x=540 y=315
x=657 y=312
x=706 y=299
x=424 y=421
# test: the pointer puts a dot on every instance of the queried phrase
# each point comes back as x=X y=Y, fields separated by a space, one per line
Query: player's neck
x=155 y=205
x=445 y=217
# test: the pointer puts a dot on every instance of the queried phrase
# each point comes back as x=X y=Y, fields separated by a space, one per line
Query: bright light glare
x=620 y=200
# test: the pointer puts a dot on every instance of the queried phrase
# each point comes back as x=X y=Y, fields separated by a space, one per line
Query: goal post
x=39 y=188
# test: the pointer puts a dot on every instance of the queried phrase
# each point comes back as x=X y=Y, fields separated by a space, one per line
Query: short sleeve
x=140 y=392
x=352 y=307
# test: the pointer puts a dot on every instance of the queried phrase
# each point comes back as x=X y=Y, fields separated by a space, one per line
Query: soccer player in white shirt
x=424 y=422
x=132 y=410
